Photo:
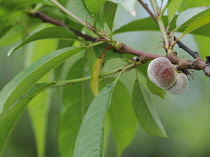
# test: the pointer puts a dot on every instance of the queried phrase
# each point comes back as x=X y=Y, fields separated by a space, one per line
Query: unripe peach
x=180 y=85
x=161 y=72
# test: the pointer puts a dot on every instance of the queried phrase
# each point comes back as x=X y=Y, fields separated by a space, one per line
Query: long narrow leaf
x=38 y=107
x=75 y=100
x=148 y=24
x=192 y=4
x=28 y=77
x=94 y=5
x=203 y=20
x=188 y=16
x=109 y=13
x=122 y=118
x=23 y=2
x=90 y=135
x=145 y=112
x=173 y=6
x=47 y=33
x=8 y=123
x=69 y=124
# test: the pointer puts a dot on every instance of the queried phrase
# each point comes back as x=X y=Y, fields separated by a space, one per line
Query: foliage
x=71 y=54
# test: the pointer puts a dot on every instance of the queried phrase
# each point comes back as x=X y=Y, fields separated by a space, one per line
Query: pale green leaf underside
x=146 y=112
x=90 y=135
x=28 y=77
x=47 y=33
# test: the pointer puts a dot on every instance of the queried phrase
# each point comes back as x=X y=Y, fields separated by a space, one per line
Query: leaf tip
x=10 y=52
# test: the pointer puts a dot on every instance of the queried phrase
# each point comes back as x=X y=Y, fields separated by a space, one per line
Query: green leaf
x=155 y=89
x=78 y=8
x=122 y=117
x=173 y=6
x=26 y=79
x=63 y=2
x=38 y=107
x=188 y=16
x=75 y=100
x=23 y=2
x=110 y=54
x=148 y=24
x=8 y=17
x=146 y=112
x=47 y=33
x=191 y=4
x=151 y=86
x=203 y=20
x=90 y=135
x=7 y=124
x=109 y=13
x=94 y=5
x=69 y=124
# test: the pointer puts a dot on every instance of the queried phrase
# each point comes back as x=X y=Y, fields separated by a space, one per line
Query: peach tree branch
x=197 y=64
x=181 y=45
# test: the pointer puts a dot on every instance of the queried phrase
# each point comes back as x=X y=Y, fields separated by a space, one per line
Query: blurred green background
x=185 y=117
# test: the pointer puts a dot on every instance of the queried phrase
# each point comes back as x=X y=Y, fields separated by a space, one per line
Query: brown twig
x=181 y=45
x=197 y=64
x=147 y=56
x=145 y=6
x=48 y=19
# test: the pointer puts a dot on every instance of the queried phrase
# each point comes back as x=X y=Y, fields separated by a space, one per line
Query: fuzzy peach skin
x=161 y=72
x=180 y=85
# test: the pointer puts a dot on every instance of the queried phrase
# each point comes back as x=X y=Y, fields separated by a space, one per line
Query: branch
x=181 y=45
x=197 y=64
x=144 y=55
x=48 y=19
x=145 y=6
